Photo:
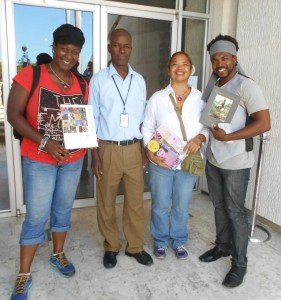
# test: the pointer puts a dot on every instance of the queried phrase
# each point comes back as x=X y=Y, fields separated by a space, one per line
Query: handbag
x=193 y=163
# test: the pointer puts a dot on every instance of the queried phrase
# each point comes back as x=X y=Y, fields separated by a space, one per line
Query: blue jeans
x=227 y=190
x=49 y=191
x=171 y=193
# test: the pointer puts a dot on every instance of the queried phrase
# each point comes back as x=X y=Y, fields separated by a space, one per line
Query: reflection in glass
x=150 y=55
x=37 y=36
x=151 y=48
x=195 y=6
x=156 y=3
x=193 y=33
x=4 y=184
x=34 y=37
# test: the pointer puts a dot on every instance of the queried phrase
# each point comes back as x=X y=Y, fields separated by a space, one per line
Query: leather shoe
x=214 y=254
x=109 y=259
x=234 y=277
x=142 y=257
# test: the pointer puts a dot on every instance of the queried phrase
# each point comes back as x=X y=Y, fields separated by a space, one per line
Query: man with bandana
x=230 y=157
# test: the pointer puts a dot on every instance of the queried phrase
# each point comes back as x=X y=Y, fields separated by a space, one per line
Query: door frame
x=100 y=10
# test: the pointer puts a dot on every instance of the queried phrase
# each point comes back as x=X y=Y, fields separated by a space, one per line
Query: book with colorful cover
x=78 y=125
x=167 y=145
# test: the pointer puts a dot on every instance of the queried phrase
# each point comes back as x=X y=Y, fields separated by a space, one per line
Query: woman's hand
x=159 y=161
x=194 y=144
x=57 y=151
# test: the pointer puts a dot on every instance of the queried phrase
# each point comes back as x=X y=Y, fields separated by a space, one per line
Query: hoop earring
x=193 y=70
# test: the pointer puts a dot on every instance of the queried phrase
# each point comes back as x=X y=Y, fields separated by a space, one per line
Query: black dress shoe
x=142 y=257
x=109 y=259
x=234 y=277
x=214 y=254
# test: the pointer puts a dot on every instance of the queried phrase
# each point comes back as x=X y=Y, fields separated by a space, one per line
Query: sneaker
x=60 y=262
x=160 y=252
x=23 y=283
x=181 y=252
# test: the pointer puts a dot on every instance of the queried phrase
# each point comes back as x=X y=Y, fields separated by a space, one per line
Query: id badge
x=124 y=120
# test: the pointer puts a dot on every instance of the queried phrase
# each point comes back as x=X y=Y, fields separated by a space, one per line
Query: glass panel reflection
x=193 y=33
x=150 y=55
x=34 y=37
x=156 y=3
x=4 y=184
x=195 y=6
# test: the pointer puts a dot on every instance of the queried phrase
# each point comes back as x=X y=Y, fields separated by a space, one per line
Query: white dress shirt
x=160 y=111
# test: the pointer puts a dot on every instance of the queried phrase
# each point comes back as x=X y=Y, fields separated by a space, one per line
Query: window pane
x=150 y=55
x=4 y=186
x=157 y=3
x=193 y=33
x=151 y=48
x=195 y=6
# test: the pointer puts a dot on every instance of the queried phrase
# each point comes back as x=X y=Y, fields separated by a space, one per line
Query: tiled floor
x=167 y=279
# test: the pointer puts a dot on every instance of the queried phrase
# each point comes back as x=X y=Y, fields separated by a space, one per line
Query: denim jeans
x=171 y=193
x=227 y=190
x=49 y=191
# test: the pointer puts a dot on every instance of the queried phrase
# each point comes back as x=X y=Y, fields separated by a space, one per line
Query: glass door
x=154 y=39
x=34 y=37
x=7 y=192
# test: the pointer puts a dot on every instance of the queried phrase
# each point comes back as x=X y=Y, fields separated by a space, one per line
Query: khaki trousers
x=121 y=162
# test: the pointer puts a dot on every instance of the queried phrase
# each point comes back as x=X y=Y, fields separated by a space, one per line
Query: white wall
x=256 y=25
x=224 y=17
x=259 y=37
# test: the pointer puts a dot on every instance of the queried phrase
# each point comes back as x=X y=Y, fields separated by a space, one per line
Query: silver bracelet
x=44 y=141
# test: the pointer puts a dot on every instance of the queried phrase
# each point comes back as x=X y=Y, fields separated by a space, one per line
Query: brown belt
x=122 y=143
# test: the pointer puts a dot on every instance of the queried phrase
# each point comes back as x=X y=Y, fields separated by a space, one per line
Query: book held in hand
x=78 y=125
x=220 y=108
x=167 y=145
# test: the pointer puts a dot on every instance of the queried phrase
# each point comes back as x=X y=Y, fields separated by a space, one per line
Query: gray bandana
x=220 y=46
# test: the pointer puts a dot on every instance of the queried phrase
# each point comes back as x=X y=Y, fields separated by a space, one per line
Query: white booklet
x=78 y=125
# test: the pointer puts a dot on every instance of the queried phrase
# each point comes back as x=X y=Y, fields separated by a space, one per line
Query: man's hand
x=96 y=164
x=144 y=159
x=219 y=134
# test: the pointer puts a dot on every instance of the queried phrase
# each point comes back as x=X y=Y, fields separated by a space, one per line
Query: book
x=166 y=144
x=220 y=108
x=78 y=126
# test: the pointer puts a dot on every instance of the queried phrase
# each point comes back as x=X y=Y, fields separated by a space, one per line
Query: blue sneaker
x=23 y=283
x=160 y=252
x=181 y=252
x=60 y=262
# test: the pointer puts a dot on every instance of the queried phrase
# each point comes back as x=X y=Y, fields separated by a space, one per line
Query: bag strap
x=36 y=77
x=82 y=82
x=177 y=110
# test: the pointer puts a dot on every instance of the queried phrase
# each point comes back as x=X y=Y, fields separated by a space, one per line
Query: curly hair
x=223 y=38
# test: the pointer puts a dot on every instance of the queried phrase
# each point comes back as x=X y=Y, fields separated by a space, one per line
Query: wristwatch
x=44 y=141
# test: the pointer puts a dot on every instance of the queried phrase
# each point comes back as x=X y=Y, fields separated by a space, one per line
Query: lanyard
x=124 y=102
